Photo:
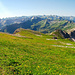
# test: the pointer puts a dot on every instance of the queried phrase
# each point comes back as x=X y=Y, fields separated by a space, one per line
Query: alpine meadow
x=37 y=37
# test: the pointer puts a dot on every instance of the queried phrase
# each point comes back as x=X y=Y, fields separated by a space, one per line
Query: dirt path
x=18 y=35
x=62 y=46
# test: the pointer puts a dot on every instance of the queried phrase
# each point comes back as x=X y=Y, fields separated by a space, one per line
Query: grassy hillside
x=37 y=55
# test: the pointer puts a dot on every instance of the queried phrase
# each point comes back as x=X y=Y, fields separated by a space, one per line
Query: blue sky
x=11 y=8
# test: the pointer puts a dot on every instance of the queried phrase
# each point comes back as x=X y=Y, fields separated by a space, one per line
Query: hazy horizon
x=17 y=8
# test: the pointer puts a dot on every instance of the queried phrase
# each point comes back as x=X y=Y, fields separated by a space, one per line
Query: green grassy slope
x=40 y=55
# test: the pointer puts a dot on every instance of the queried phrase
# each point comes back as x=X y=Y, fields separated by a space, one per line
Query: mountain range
x=44 y=24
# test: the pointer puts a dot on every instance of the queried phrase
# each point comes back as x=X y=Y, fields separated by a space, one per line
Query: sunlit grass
x=37 y=56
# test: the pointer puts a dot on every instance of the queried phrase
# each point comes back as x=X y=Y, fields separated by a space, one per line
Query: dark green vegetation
x=37 y=54
x=41 y=25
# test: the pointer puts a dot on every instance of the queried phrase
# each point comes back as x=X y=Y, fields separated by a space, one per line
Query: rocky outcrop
x=61 y=34
x=54 y=37
x=16 y=31
x=72 y=34
x=64 y=34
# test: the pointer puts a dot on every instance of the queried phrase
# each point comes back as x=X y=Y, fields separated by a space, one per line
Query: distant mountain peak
x=34 y=17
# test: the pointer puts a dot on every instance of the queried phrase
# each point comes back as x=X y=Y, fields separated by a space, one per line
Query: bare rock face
x=17 y=30
x=65 y=34
x=72 y=34
x=62 y=34
x=54 y=37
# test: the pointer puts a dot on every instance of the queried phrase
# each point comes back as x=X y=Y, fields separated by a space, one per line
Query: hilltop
x=35 y=53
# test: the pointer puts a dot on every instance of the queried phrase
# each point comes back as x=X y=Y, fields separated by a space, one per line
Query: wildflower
x=25 y=65
x=49 y=70
x=38 y=66
x=30 y=71
x=14 y=73
x=60 y=74
x=17 y=64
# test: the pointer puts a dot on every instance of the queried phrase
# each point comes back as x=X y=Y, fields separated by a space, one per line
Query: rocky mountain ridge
x=12 y=20
x=41 y=25
x=58 y=34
